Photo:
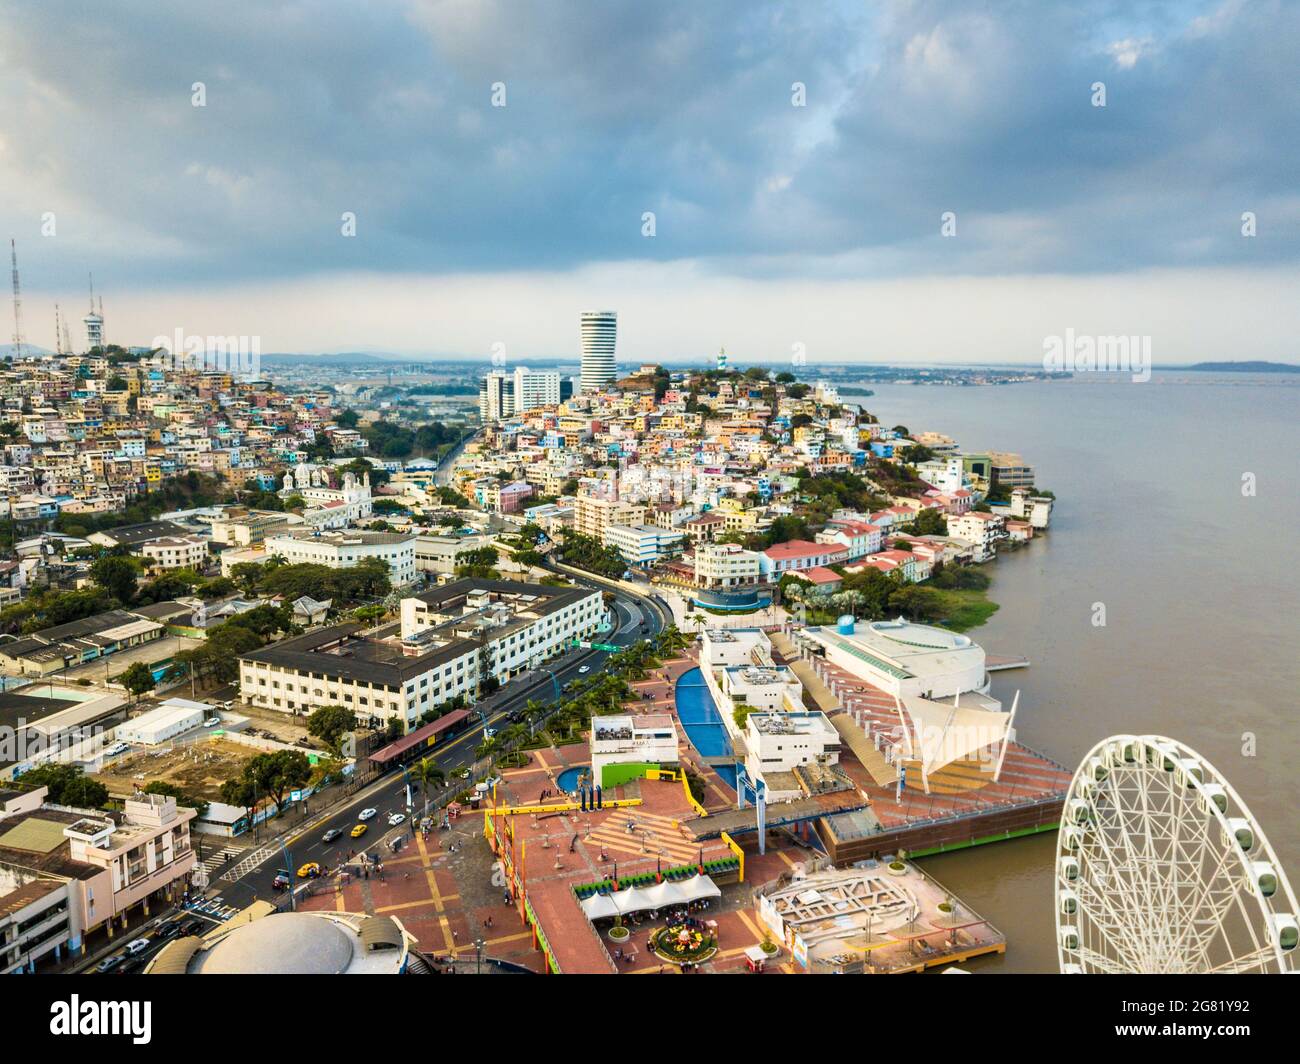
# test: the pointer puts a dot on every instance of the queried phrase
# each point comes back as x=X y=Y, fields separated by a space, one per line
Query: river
x=1199 y=582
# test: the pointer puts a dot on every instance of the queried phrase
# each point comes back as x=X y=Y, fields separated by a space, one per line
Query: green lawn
x=966 y=609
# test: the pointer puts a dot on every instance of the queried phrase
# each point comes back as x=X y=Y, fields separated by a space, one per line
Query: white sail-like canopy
x=947 y=732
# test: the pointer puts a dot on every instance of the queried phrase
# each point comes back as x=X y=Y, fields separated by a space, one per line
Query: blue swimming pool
x=569 y=779
x=699 y=716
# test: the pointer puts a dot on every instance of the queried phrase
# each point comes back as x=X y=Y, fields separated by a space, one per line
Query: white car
x=138 y=945
x=395 y=819
x=585 y=668
x=367 y=814
x=115 y=749
x=212 y=722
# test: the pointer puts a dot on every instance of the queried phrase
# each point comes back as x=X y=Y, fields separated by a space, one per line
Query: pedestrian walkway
x=211 y=863
x=254 y=860
x=215 y=907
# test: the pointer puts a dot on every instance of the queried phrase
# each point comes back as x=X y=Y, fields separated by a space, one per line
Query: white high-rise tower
x=599 y=332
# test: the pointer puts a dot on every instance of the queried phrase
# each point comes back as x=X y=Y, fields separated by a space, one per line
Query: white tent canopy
x=947 y=732
x=657 y=896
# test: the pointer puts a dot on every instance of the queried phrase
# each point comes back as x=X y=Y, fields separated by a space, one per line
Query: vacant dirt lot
x=284 y=726
x=199 y=768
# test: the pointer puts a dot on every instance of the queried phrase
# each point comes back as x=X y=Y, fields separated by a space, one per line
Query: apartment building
x=176 y=552
x=593 y=514
x=643 y=545
x=67 y=873
x=726 y=565
x=981 y=530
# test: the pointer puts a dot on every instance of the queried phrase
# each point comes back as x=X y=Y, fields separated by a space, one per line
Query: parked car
x=134 y=966
x=192 y=927
x=212 y=722
x=116 y=748
x=330 y=835
x=138 y=945
x=281 y=881
x=309 y=871
x=367 y=814
x=359 y=830
x=109 y=963
x=395 y=819
x=169 y=930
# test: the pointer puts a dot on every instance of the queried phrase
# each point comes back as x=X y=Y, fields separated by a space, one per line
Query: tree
x=246 y=575
x=427 y=775
x=118 y=575
x=170 y=790
x=137 y=678
x=268 y=775
x=218 y=587
x=330 y=724
x=68 y=785
x=929 y=522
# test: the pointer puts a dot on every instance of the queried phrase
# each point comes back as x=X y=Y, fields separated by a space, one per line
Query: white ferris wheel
x=1160 y=868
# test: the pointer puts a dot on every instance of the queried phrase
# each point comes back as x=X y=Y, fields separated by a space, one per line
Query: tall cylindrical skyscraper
x=599 y=331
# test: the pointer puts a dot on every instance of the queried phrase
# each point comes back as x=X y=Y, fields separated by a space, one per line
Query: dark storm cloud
x=679 y=108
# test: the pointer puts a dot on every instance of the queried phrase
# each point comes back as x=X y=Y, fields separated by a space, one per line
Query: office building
x=599 y=332
x=533 y=388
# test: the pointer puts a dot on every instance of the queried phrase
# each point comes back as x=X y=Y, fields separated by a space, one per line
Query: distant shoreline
x=1241 y=367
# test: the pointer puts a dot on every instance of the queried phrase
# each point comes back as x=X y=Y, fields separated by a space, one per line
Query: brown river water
x=1200 y=585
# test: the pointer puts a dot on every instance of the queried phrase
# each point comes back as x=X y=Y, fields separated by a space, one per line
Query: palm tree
x=426 y=774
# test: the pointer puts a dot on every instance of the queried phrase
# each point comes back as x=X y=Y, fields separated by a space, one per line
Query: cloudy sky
x=774 y=224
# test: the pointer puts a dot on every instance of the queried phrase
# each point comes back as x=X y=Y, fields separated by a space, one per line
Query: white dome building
x=295 y=943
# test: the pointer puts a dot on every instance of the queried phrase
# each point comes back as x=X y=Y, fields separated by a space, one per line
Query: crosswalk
x=215 y=908
x=211 y=863
x=253 y=860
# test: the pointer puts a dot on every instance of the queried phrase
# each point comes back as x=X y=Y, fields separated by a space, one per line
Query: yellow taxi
x=309 y=871
x=360 y=830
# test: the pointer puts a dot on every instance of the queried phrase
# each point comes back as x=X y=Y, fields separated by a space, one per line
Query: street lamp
x=478 y=950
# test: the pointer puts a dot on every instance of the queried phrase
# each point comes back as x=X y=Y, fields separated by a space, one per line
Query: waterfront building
x=902 y=658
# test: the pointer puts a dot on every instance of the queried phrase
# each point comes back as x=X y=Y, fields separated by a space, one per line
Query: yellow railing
x=740 y=854
x=686 y=790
